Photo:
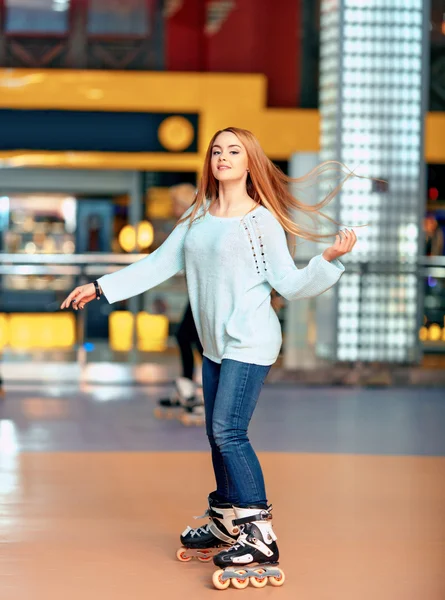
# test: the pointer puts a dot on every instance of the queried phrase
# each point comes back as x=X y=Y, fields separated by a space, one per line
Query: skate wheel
x=181 y=555
x=218 y=582
x=205 y=556
x=277 y=581
x=158 y=413
x=240 y=584
x=258 y=582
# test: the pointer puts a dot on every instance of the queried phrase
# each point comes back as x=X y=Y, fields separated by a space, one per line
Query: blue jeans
x=231 y=391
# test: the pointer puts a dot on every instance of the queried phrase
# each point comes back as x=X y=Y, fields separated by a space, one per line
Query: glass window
x=37 y=16
x=114 y=17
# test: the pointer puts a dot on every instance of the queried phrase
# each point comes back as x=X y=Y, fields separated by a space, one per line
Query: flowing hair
x=268 y=186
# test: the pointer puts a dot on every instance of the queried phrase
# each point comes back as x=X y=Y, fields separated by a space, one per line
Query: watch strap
x=97 y=288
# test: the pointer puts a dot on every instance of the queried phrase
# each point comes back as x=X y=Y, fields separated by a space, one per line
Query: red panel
x=256 y=37
x=261 y=37
x=185 y=42
x=281 y=55
x=232 y=49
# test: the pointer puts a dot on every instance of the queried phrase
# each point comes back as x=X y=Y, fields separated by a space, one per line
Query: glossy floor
x=94 y=493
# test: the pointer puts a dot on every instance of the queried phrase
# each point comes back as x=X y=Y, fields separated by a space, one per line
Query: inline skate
x=254 y=557
x=186 y=403
x=220 y=532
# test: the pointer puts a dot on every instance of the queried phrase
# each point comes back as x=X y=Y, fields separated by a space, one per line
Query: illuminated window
x=37 y=16
x=118 y=17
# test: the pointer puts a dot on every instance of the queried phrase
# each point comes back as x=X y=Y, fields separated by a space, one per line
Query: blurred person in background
x=434 y=239
x=232 y=244
x=187 y=394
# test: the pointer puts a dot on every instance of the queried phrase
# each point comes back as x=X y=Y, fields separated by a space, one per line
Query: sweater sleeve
x=280 y=270
x=150 y=271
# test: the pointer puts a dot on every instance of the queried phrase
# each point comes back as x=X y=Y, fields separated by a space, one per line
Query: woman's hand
x=80 y=296
x=277 y=302
x=344 y=243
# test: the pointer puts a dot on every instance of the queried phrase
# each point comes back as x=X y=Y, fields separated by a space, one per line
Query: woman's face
x=229 y=158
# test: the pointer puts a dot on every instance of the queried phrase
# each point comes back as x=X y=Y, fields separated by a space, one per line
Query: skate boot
x=193 y=410
x=204 y=542
x=254 y=557
x=173 y=407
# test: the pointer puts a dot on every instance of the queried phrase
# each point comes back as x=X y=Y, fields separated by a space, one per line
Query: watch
x=97 y=288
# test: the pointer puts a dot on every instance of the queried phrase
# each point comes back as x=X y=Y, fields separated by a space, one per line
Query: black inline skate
x=186 y=403
x=204 y=542
x=254 y=557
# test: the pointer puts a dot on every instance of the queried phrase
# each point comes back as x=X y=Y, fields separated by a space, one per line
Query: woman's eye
x=234 y=152
x=215 y=152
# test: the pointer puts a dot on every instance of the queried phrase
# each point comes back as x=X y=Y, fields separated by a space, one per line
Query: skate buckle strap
x=206 y=514
x=264 y=515
x=214 y=514
x=210 y=513
x=220 y=534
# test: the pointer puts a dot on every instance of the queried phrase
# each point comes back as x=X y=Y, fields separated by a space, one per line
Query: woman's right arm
x=148 y=272
x=140 y=276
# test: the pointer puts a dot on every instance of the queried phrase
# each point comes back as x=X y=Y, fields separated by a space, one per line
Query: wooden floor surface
x=105 y=526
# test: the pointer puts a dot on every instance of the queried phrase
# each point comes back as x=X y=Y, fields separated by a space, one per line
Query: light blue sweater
x=231 y=266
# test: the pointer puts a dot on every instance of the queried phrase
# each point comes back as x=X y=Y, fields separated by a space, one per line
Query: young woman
x=233 y=247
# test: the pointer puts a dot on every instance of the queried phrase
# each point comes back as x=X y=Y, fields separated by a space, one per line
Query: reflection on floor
x=54 y=418
x=94 y=493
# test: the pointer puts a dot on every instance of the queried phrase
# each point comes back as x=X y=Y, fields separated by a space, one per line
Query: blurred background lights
x=30 y=248
x=145 y=235
x=127 y=238
x=141 y=237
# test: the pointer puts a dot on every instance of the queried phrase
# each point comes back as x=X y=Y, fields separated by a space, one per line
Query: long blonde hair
x=269 y=186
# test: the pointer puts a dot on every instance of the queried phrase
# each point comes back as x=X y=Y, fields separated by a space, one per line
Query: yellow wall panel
x=4 y=331
x=220 y=99
x=64 y=330
x=27 y=331
x=152 y=332
x=130 y=91
x=435 y=137
x=21 y=331
x=121 y=330
x=101 y=160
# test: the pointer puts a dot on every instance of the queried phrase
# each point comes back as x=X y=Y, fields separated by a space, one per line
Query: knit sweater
x=231 y=266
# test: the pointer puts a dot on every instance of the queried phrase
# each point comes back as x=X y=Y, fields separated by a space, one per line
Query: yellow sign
x=176 y=133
